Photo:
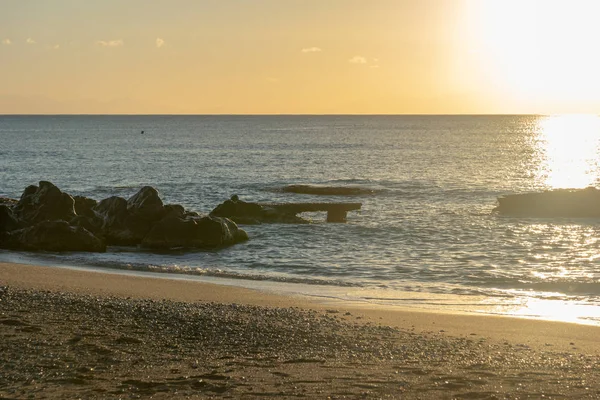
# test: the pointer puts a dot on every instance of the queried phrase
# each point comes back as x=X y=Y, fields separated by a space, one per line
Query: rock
x=144 y=209
x=552 y=203
x=127 y=222
x=45 y=202
x=113 y=213
x=92 y=224
x=240 y=211
x=285 y=213
x=171 y=232
x=53 y=236
x=47 y=219
x=174 y=209
x=86 y=217
x=85 y=206
x=146 y=204
x=8 y=202
x=328 y=190
x=192 y=232
x=8 y=220
x=216 y=231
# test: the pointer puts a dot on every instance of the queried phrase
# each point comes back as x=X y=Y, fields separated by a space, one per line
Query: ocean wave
x=201 y=271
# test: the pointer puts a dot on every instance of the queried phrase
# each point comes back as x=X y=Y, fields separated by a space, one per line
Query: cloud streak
x=358 y=60
x=6 y=42
x=159 y=42
x=30 y=41
x=111 y=43
x=312 y=50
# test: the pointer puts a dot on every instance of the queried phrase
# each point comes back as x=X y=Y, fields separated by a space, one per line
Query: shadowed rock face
x=193 y=232
x=146 y=204
x=127 y=222
x=47 y=219
x=84 y=206
x=574 y=203
x=8 y=220
x=55 y=236
x=112 y=212
x=253 y=213
x=42 y=203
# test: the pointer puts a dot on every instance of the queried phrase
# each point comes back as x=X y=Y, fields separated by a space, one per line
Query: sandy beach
x=77 y=334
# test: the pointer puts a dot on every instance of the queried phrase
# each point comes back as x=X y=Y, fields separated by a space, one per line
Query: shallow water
x=428 y=228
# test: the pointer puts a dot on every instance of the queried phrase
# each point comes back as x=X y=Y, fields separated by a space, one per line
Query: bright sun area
x=541 y=52
x=301 y=57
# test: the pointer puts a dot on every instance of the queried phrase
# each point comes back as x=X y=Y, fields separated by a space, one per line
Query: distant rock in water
x=328 y=190
x=46 y=219
x=255 y=213
x=578 y=203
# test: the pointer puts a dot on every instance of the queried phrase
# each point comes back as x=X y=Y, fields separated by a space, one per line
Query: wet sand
x=75 y=334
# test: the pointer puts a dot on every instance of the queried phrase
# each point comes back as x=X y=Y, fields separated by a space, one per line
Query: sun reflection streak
x=570 y=149
x=554 y=310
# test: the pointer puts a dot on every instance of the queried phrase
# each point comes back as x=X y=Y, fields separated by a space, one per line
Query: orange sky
x=299 y=56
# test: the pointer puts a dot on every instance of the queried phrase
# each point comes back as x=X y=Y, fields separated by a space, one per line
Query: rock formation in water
x=253 y=213
x=327 y=190
x=552 y=203
x=47 y=219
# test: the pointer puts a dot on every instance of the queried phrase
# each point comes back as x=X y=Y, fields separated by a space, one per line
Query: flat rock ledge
x=570 y=203
x=256 y=213
x=328 y=190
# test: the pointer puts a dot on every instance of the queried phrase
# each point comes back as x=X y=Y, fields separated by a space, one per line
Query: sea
x=426 y=237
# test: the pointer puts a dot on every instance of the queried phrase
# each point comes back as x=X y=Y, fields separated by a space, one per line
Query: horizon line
x=283 y=114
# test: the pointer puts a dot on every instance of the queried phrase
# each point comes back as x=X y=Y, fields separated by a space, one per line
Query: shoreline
x=88 y=334
x=520 y=306
x=160 y=287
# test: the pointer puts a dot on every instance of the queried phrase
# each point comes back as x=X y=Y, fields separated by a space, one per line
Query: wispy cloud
x=30 y=41
x=6 y=42
x=357 y=60
x=159 y=42
x=56 y=47
x=312 y=50
x=111 y=43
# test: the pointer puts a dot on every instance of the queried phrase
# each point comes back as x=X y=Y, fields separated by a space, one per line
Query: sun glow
x=569 y=146
x=542 y=52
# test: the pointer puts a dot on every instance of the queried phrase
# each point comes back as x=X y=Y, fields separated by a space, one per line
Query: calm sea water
x=428 y=230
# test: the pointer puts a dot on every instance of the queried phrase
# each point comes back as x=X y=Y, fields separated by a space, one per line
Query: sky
x=299 y=57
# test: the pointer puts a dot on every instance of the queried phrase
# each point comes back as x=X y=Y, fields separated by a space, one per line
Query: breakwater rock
x=328 y=190
x=256 y=213
x=578 y=203
x=45 y=218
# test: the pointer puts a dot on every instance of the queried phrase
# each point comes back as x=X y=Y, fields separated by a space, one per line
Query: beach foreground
x=74 y=334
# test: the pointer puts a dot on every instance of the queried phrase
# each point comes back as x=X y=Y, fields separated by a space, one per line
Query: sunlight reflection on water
x=553 y=310
x=569 y=146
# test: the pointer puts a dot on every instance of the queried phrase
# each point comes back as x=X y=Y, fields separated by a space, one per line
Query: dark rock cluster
x=45 y=218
